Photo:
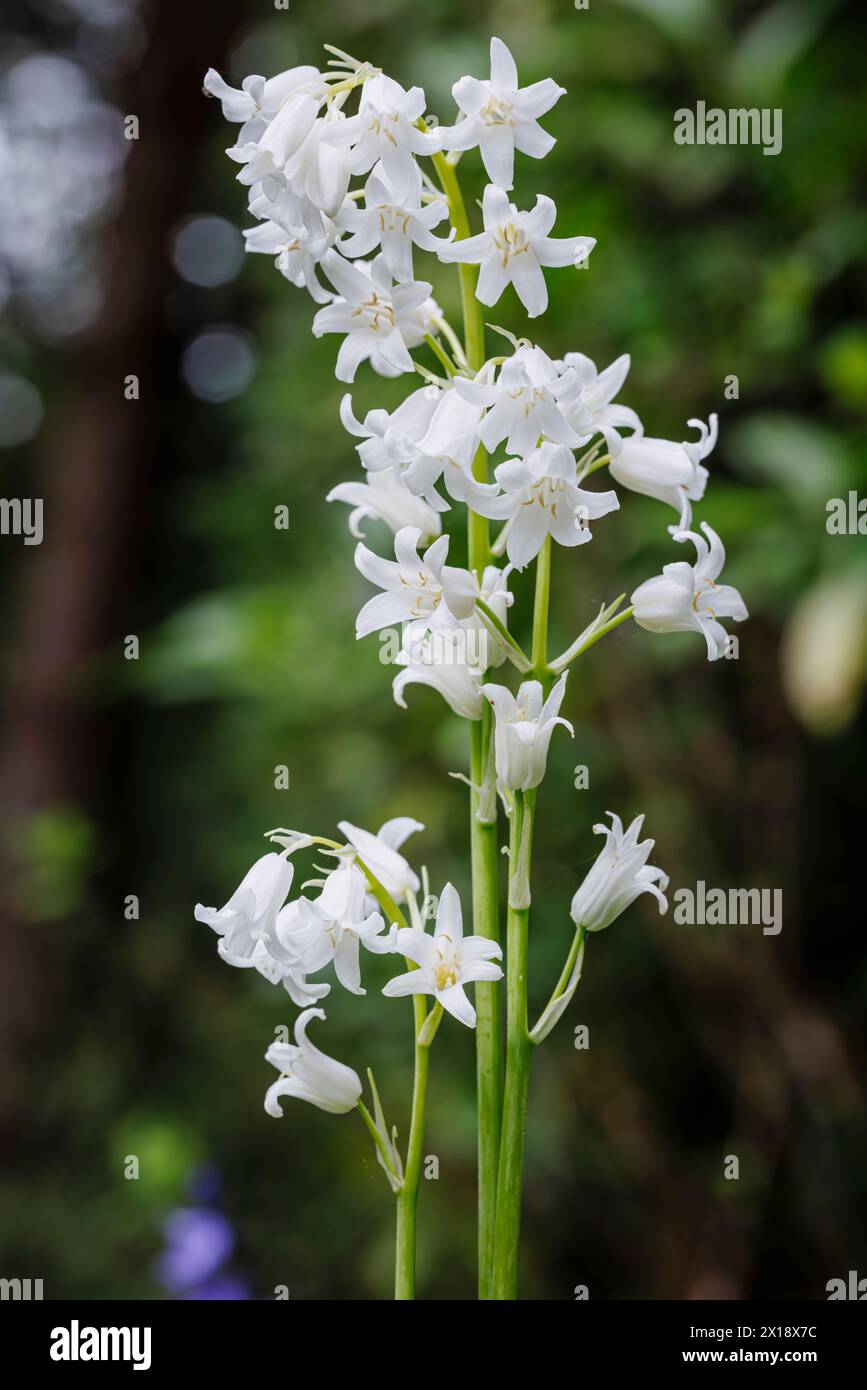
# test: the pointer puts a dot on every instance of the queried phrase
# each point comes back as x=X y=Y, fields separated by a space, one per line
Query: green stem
x=483 y=836
x=474 y=327
x=583 y=644
x=510 y=1178
x=518 y=1050
x=540 y=611
x=441 y=355
x=407 y=1198
x=489 y=1067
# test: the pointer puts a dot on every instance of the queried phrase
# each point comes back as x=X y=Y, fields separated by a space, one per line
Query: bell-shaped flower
x=379 y=853
x=334 y=926
x=541 y=497
x=258 y=100
x=394 y=219
x=381 y=321
x=309 y=1074
x=618 y=876
x=446 y=961
x=289 y=972
x=494 y=591
x=250 y=913
x=442 y=660
x=317 y=171
x=687 y=598
x=670 y=472
x=500 y=117
x=453 y=428
x=384 y=497
x=296 y=251
x=513 y=248
x=592 y=411
x=391 y=441
x=523 y=403
x=266 y=157
x=523 y=726
x=385 y=129
x=412 y=587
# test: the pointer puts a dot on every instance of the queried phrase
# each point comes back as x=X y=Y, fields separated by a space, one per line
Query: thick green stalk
x=483 y=836
x=510 y=1179
x=407 y=1197
x=518 y=1049
x=489 y=1073
x=539 y=653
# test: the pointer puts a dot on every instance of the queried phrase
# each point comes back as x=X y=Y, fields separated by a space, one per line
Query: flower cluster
x=288 y=941
x=346 y=200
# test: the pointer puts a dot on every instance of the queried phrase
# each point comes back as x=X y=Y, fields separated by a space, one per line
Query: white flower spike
x=513 y=248
x=308 y=1074
x=500 y=117
x=446 y=961
x=687 y=598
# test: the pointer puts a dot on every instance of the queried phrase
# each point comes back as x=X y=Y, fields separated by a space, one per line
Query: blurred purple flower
x=199 y=1240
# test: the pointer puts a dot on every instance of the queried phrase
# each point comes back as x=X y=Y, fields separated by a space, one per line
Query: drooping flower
x=500 y=117
x=541 y=497
x=250 y=913
x=591 y=411
x=385 y=130
x=316 y=171
x=394 y=219
x=670 y=472
x=412 y=587
x=333 y=926
x=309 y=1074
x=257 y=101
x=513 y=248
x=384 y=497
x=266 y=157
x=381 y=321
x=687 y=598
x=289 y=970
x=379 y=853
x=523 y=404
x=617 y=877
x=296 y=251
x=522 y=731
x=439 y=659
x=446 y=961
